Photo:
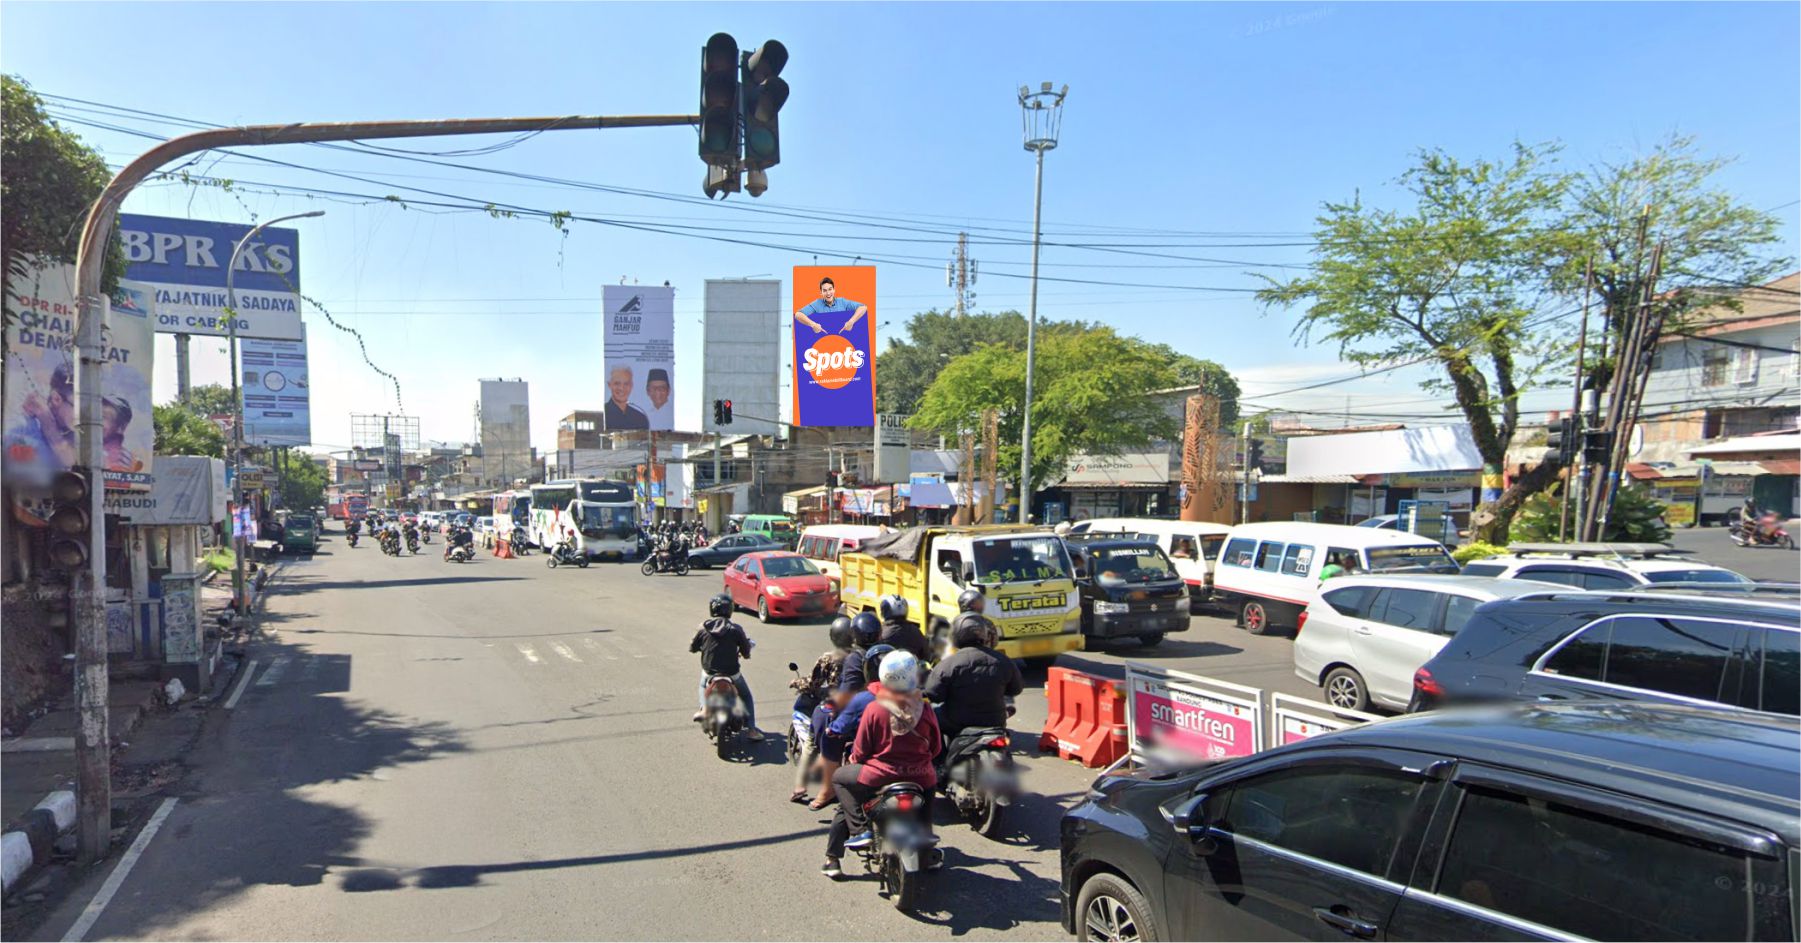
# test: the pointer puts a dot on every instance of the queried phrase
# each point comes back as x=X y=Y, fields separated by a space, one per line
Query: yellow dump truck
x=1024 y=572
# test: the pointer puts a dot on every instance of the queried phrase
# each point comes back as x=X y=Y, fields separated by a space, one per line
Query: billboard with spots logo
x=834 y=345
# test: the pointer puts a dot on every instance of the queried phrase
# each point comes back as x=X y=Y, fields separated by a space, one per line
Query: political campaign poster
x=39 y=418
x=277 y=392
x=834 y=345
x=638 y=353
x=183 y=262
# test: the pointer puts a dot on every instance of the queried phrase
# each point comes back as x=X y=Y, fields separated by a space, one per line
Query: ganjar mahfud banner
x=639 y=356
x=834 y=345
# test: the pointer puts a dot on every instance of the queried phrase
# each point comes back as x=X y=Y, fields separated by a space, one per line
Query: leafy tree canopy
x=48 y=180
x=181 y=430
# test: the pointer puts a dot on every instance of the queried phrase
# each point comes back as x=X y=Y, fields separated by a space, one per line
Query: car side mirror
x=1191 y=820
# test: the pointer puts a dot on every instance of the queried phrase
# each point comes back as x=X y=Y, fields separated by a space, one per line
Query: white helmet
x=900 y=672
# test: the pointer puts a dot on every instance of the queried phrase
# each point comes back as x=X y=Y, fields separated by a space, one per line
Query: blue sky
x=1230 y=118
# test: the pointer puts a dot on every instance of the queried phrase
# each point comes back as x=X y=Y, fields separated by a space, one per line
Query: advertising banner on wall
x=638 y=350
x=40 y=412
x=183 y=263
x=834 y=345
x=277 y=392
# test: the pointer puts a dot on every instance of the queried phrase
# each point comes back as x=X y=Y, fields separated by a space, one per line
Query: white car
x=1363 y=637
x=1601 y=566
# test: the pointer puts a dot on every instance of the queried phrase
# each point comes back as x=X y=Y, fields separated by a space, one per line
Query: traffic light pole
x=93 y=749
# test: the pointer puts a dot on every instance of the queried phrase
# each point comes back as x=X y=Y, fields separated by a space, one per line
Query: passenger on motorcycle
x=973 y=687
x=971 y=605
x=897 y=631
x=850 y=700
x=721 y=642
x=816 y=698
x=896 y=740
x=458 y=537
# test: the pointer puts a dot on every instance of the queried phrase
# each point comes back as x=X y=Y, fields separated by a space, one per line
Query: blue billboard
x=183 y=261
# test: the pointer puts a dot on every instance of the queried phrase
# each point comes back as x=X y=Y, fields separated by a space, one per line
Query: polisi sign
x=183 y=261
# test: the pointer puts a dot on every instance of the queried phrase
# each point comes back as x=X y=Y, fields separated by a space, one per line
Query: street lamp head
x=1041 y=115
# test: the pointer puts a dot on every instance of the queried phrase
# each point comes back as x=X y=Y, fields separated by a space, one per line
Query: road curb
x=29 y=845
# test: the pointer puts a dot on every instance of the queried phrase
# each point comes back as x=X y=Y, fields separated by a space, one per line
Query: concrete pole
x=184 y=386
x=1025 y=445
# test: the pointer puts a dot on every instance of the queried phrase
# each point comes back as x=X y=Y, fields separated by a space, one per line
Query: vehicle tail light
x=1424 y=683
x=1301 y=623
x=904 y=802
x=1000 y=742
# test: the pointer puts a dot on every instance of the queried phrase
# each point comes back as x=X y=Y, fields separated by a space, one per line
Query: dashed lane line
x=244 y=682
x=277 y=667
x=530 y=653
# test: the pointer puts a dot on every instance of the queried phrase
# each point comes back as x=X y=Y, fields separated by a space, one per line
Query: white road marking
x=310 y=670
x=276 y=668
x=243 y=683
x=595 y=646
x=565 y=651
x=95 y=907
x=530 y=654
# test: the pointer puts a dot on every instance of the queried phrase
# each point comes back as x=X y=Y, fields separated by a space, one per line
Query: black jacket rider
x=971 y=688
x=720 y=642
x=905 y=636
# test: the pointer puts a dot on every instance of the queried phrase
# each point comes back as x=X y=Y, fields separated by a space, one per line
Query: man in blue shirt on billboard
x=832 y=310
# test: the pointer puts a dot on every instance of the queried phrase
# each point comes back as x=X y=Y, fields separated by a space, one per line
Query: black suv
x=1737 y=647
x=1129 y=589
x=1611 y=821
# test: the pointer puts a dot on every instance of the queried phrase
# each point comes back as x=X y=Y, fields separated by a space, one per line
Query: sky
x=1210 y=131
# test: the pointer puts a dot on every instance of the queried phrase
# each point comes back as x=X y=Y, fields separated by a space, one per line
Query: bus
x=513 y=511
x=348 y=507
x=601 y=515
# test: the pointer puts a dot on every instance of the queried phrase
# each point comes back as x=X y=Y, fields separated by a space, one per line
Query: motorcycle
x=979 y=777
x=351 y=537
x=1766 y=533
x=565 y=553
x=800 y=726
x=425 y=535
x=723 y=718
x=666 y=561
x=390 y=545
x=459 y=553
x=519 y=544
x=900 y=842
x=412 y=543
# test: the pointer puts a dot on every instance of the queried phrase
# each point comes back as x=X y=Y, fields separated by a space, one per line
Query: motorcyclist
x=458 y=537
x=971 y=609
x=866 y=630
x=721 y=643
x=849 y=701
x=973 y=688
x=897 y=631
x=897 y=737
x=1747 y=517
x=815 y=698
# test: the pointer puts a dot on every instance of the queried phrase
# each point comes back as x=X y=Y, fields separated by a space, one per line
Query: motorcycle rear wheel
x=722 y=745
x=986 y=819
x=581 y=562
x=551 y=561
x=903 y=888
x=681 y=569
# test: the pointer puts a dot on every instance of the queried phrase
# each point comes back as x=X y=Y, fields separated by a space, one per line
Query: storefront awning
x=1307 y=480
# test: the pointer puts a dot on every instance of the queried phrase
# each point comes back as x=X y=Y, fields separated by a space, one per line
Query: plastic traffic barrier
x=1086 y=721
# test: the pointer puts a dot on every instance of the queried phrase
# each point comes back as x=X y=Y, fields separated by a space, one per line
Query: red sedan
x=780 y=585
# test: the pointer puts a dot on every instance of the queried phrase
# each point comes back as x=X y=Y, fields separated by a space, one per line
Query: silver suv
x=1604 y=566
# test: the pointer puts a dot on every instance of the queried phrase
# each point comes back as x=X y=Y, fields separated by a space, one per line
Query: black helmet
x=720 y=606
x=841 y=633
x=971 y=600
x=866 y=629
x=872 y=661
x=892 y=606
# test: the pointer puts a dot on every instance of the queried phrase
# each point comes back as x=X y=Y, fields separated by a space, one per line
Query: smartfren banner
x=182 y=261
x=639 y=355
x=834 y=345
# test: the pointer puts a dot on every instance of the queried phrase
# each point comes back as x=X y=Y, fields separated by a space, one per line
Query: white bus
x=513 y=511
x=601 y=515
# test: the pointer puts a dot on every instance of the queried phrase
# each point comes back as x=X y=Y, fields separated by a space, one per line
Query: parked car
x=1731 y=647
x=1193 y=546
x=1600 y=565
x=1129 y=589
x=1271 y=571
x=726 y=549
x=1363 y=638
x=1545 y=821
x=780 y=585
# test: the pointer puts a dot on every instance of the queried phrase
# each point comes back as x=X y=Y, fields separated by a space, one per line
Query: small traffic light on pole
x=1255 y=457
x=69 y=521
x=719 y=141
x=1562 y=441
x=722 y=412
x=764 y=94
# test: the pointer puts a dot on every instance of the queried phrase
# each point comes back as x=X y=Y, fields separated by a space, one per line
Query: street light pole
x=242 y=598
x=1041 y=117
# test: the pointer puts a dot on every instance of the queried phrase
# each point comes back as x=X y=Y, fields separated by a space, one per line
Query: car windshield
x=1019 y=559
x=1430 y=558
x=1695 y=576
x=777 y=567
x=781 y=527
x=1131 y=565
x=603 y=521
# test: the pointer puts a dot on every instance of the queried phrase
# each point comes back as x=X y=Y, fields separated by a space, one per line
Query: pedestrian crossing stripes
x=583 y=650
x=565 y=651
x=531 y=654
x=276 y=669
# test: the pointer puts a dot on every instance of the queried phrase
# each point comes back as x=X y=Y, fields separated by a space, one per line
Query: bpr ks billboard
x=638 y=351
x=834 y=345
x=183 y=262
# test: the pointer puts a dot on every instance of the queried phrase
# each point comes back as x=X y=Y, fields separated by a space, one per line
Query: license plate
x=1016 y=629
x=1043 y=646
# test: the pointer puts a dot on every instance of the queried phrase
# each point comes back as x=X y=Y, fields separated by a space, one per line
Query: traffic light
x=722 y=412
x=831 y=478
x=1562 y=441
x=70 y=523
x=719 y=113
x=1597 y=446
x=764 y=94
x=1254 y=458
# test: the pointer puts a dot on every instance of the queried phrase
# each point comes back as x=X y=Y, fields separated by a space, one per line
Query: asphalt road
x=1710 y=544
x=501 y=750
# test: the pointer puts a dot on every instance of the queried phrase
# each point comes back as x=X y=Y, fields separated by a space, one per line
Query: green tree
x=211 y=399
x=1092 y=394
x=1634 y=517
x=1454 y=281
x=302 y=482
x=48 y=180
x=181 y=430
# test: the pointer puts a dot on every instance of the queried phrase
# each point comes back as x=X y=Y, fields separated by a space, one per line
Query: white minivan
x=825 y=543
x=1191 y=545
x=1271 y=571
